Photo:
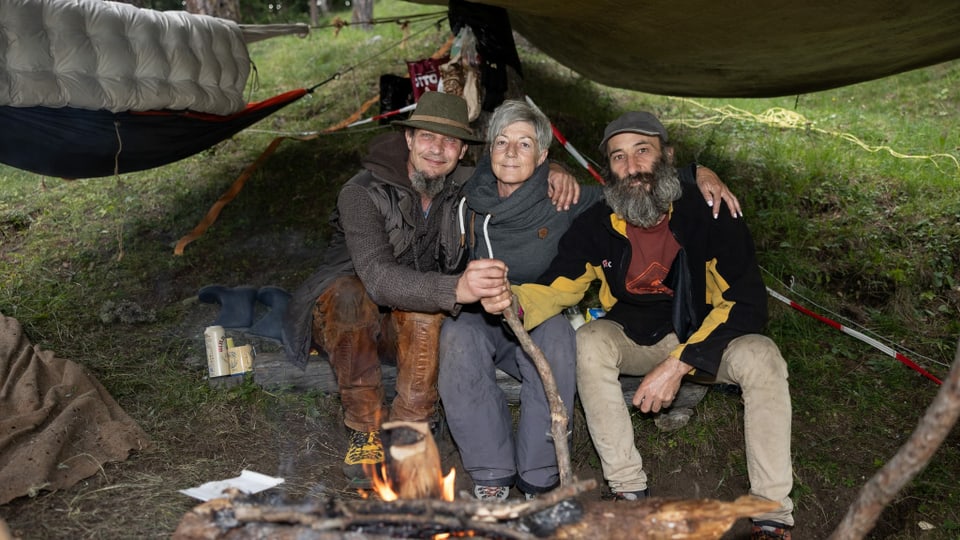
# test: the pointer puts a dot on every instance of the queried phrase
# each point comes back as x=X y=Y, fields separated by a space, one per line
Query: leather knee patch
x=344 y=307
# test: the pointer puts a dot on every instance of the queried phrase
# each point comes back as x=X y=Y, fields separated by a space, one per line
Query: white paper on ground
x=248 y=482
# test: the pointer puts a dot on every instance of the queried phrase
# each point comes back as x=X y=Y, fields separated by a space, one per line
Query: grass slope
x=846 y=227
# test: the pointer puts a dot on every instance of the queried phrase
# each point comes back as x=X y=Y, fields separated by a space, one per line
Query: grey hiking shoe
x=491 y=493
x=631 y=495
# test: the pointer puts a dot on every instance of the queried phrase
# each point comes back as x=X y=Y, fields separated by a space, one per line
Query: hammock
x=94 y=88
x=79 y=143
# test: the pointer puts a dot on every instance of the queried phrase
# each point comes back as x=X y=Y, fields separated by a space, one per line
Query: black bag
x=395 y=93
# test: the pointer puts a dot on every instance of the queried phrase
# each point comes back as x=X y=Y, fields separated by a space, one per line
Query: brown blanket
x=58 y=424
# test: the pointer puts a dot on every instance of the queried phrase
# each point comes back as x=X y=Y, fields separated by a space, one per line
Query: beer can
x=241 y=359
x=216 y=345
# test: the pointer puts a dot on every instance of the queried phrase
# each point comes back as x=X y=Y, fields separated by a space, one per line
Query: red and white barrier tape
x=384 y=115
x=570 y=148
x=849 y=331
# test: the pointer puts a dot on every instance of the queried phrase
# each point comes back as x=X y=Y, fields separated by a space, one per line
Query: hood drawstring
x=461 y=221
x=486 y=235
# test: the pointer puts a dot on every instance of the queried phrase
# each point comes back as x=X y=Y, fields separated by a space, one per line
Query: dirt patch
x=301 y=438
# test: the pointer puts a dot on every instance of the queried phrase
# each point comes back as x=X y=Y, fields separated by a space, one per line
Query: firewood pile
x=557 y=514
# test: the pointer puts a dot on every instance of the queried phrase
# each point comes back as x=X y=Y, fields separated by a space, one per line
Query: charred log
x=412 y=460
x=651 y=519
x=242 y=518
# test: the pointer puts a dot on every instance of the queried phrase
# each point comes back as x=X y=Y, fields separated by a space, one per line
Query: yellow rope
x=787 y=119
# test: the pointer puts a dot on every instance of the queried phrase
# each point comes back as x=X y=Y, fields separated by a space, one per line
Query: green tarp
x=738 y=48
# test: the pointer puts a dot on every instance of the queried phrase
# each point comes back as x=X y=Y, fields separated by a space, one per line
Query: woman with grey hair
x=508 y=216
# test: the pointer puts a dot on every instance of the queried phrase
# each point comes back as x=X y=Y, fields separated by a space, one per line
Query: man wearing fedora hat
x=394 y=267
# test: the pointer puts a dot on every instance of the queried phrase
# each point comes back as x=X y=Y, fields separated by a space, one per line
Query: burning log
x=412 y=460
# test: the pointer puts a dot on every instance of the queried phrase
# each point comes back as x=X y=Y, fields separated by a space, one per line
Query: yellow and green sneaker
x=364 y=457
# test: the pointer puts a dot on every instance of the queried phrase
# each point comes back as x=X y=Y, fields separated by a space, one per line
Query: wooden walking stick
x=558 y=413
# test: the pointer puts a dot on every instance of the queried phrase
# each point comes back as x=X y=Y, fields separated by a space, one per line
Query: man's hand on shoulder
x=562 y=187
x=483 y=278
x=714 y=190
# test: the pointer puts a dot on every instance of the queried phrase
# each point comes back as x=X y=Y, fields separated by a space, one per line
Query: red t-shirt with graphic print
x=653 y=252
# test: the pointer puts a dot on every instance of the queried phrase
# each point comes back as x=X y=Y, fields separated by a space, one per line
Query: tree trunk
x=224 y=9
x=314 y=13
x=363 y=14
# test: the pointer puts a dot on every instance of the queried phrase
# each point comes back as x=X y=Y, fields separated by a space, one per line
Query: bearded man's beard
x=634 y=203
x=428 y=186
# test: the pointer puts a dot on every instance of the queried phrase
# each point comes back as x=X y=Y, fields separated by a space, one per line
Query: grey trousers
x=472 y=346
x=751 y=361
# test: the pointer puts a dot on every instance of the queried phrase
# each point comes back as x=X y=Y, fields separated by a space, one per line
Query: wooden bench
x=272 y=371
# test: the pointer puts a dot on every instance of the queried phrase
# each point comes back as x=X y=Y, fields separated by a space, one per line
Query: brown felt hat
x=634 y=122
x=441 y=113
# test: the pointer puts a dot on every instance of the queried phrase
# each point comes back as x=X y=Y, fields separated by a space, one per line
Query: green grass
x=869 y=237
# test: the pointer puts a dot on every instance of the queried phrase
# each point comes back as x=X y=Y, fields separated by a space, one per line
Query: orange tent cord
x=355 y=116
x=238 y=184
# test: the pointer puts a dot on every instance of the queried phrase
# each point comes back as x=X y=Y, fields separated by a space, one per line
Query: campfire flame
x=382 y=485
x=449 y=482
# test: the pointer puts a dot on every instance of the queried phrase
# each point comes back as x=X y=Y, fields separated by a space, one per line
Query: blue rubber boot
x=270 y=325
x=236 y=304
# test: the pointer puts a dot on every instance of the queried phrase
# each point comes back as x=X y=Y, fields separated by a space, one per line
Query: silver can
x=216 y=345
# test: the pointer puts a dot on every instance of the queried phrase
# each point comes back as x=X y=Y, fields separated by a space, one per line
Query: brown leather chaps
x=355 y=334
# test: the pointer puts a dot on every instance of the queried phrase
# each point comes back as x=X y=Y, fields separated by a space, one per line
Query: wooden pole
x=558 y=413
x=912 y=457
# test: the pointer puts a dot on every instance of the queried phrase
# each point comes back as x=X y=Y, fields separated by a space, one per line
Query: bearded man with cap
x=394 y=267
x=684 y=300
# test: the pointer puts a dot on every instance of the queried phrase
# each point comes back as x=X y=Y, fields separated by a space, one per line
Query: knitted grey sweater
x=523 y=229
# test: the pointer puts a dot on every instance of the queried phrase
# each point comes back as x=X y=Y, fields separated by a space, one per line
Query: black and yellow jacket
x=718 y=292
